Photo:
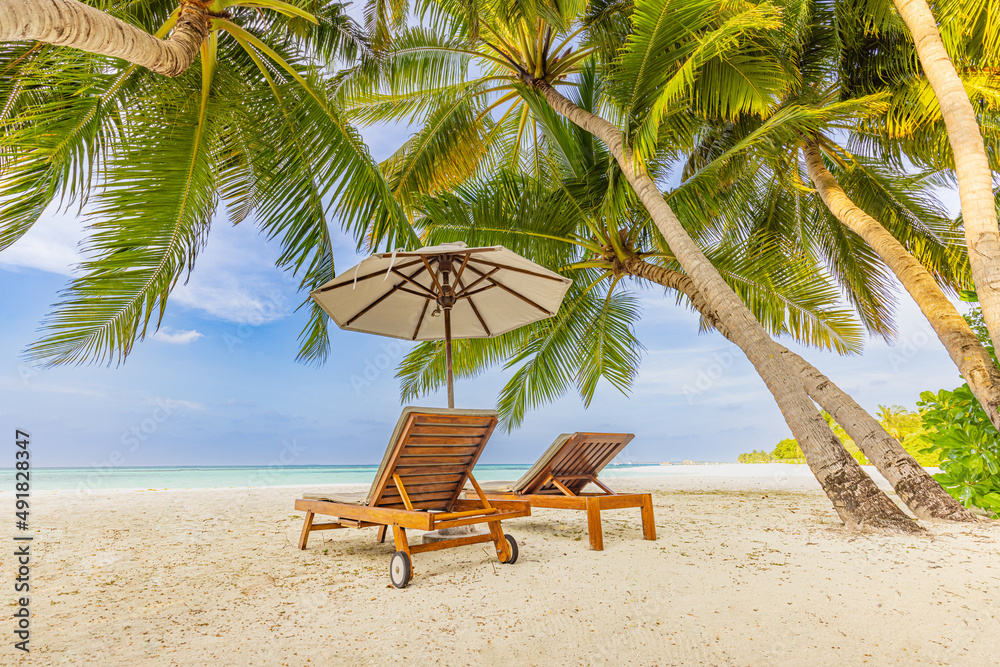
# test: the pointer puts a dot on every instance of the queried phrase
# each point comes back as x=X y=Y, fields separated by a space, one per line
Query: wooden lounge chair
x=558 y=478
x=429 y=458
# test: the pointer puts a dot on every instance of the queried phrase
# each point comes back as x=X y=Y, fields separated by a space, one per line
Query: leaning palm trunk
x=858 y=501
x=975 y=186
x=914 y=485
x=74 y=24
x=972 y=359
x=924 y=496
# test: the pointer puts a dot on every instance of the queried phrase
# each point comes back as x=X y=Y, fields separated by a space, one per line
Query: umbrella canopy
x=442 y=292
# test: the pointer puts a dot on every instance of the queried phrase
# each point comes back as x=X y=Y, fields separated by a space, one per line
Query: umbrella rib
x=465 y=290
x=519 y=270
x=380 y=272
x=466 y=295
x=420 y=320
x=480 y=318
x=461 y=269
x=412 y=291
x=380 y=300
x=373 y=304
x=510 y=291
x=408 y=279
x=433 y=276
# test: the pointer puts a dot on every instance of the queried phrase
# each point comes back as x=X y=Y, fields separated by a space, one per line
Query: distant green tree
x=905 y=426
x=909 y=429
x=756 y=456
x=788 y=449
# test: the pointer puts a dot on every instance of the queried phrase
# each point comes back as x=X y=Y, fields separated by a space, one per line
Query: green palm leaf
x=150 y=221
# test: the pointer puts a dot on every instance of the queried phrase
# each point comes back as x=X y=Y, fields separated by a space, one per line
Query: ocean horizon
x=102 y=478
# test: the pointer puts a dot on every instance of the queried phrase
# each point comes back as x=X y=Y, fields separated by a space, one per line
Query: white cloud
x=254 y=302
x=166 y=335
x=235 y=279
x=171 y=403
x=52 y=244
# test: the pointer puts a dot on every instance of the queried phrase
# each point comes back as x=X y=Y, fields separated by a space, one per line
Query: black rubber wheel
x=512 y=543
x=400 y=569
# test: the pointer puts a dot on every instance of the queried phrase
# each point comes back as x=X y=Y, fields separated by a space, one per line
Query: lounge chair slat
x=452 y=420
x=433 y=460
x=410 y=469
x=420 y=488
x=442 y=441
x=439 y=450
x=417 y=497
x=430 y=478
x=441 y=429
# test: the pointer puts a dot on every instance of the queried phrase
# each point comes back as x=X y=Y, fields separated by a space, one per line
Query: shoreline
x=727 y=475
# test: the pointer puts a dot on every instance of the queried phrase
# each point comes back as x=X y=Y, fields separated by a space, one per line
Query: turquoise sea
x=204 y=477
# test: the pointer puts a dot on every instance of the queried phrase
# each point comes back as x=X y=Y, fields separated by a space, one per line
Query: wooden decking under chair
x=557 y=480
x=417 y=486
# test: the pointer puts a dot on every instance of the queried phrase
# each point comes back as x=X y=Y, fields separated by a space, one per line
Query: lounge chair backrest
x=432 y=450
x=576 y=454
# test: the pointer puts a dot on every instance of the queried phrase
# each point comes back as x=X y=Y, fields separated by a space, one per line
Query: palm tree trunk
x=975 y=186
x=924 y=496
x=972 y=359
x=858 y=501
x=914 y=485
x=72 y=23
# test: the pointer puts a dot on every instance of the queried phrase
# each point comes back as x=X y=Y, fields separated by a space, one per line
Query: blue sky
x=218 y=384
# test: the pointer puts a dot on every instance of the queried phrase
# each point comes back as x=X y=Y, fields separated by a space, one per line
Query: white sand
x=754 y=571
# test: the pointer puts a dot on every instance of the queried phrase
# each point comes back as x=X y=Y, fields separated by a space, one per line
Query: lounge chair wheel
x=512 y=543
x=399 y=569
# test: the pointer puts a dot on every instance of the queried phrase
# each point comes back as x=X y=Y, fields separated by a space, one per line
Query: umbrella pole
x=447 y=355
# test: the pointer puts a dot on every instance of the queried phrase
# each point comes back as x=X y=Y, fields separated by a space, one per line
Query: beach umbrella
x=442 y=292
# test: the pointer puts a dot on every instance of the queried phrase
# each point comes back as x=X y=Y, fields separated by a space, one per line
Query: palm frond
x=149 y=222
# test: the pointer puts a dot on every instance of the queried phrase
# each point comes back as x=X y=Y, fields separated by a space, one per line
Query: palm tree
x=816 y=44
x=148 y=159
x=972 y=165
x=670 y=48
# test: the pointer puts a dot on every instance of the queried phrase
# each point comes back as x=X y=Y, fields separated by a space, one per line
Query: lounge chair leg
x=594 y=524
x=648 y=526
x=381 y=533
x=399 y=536
x=499 y=541
x=306 y=528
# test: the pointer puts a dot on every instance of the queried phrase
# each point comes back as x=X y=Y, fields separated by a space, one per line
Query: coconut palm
x=148 y=159
x=815 y=43
x=677 y=57
x=975 y=20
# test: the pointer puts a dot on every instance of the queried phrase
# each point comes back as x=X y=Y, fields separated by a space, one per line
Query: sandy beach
x=745 y=571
